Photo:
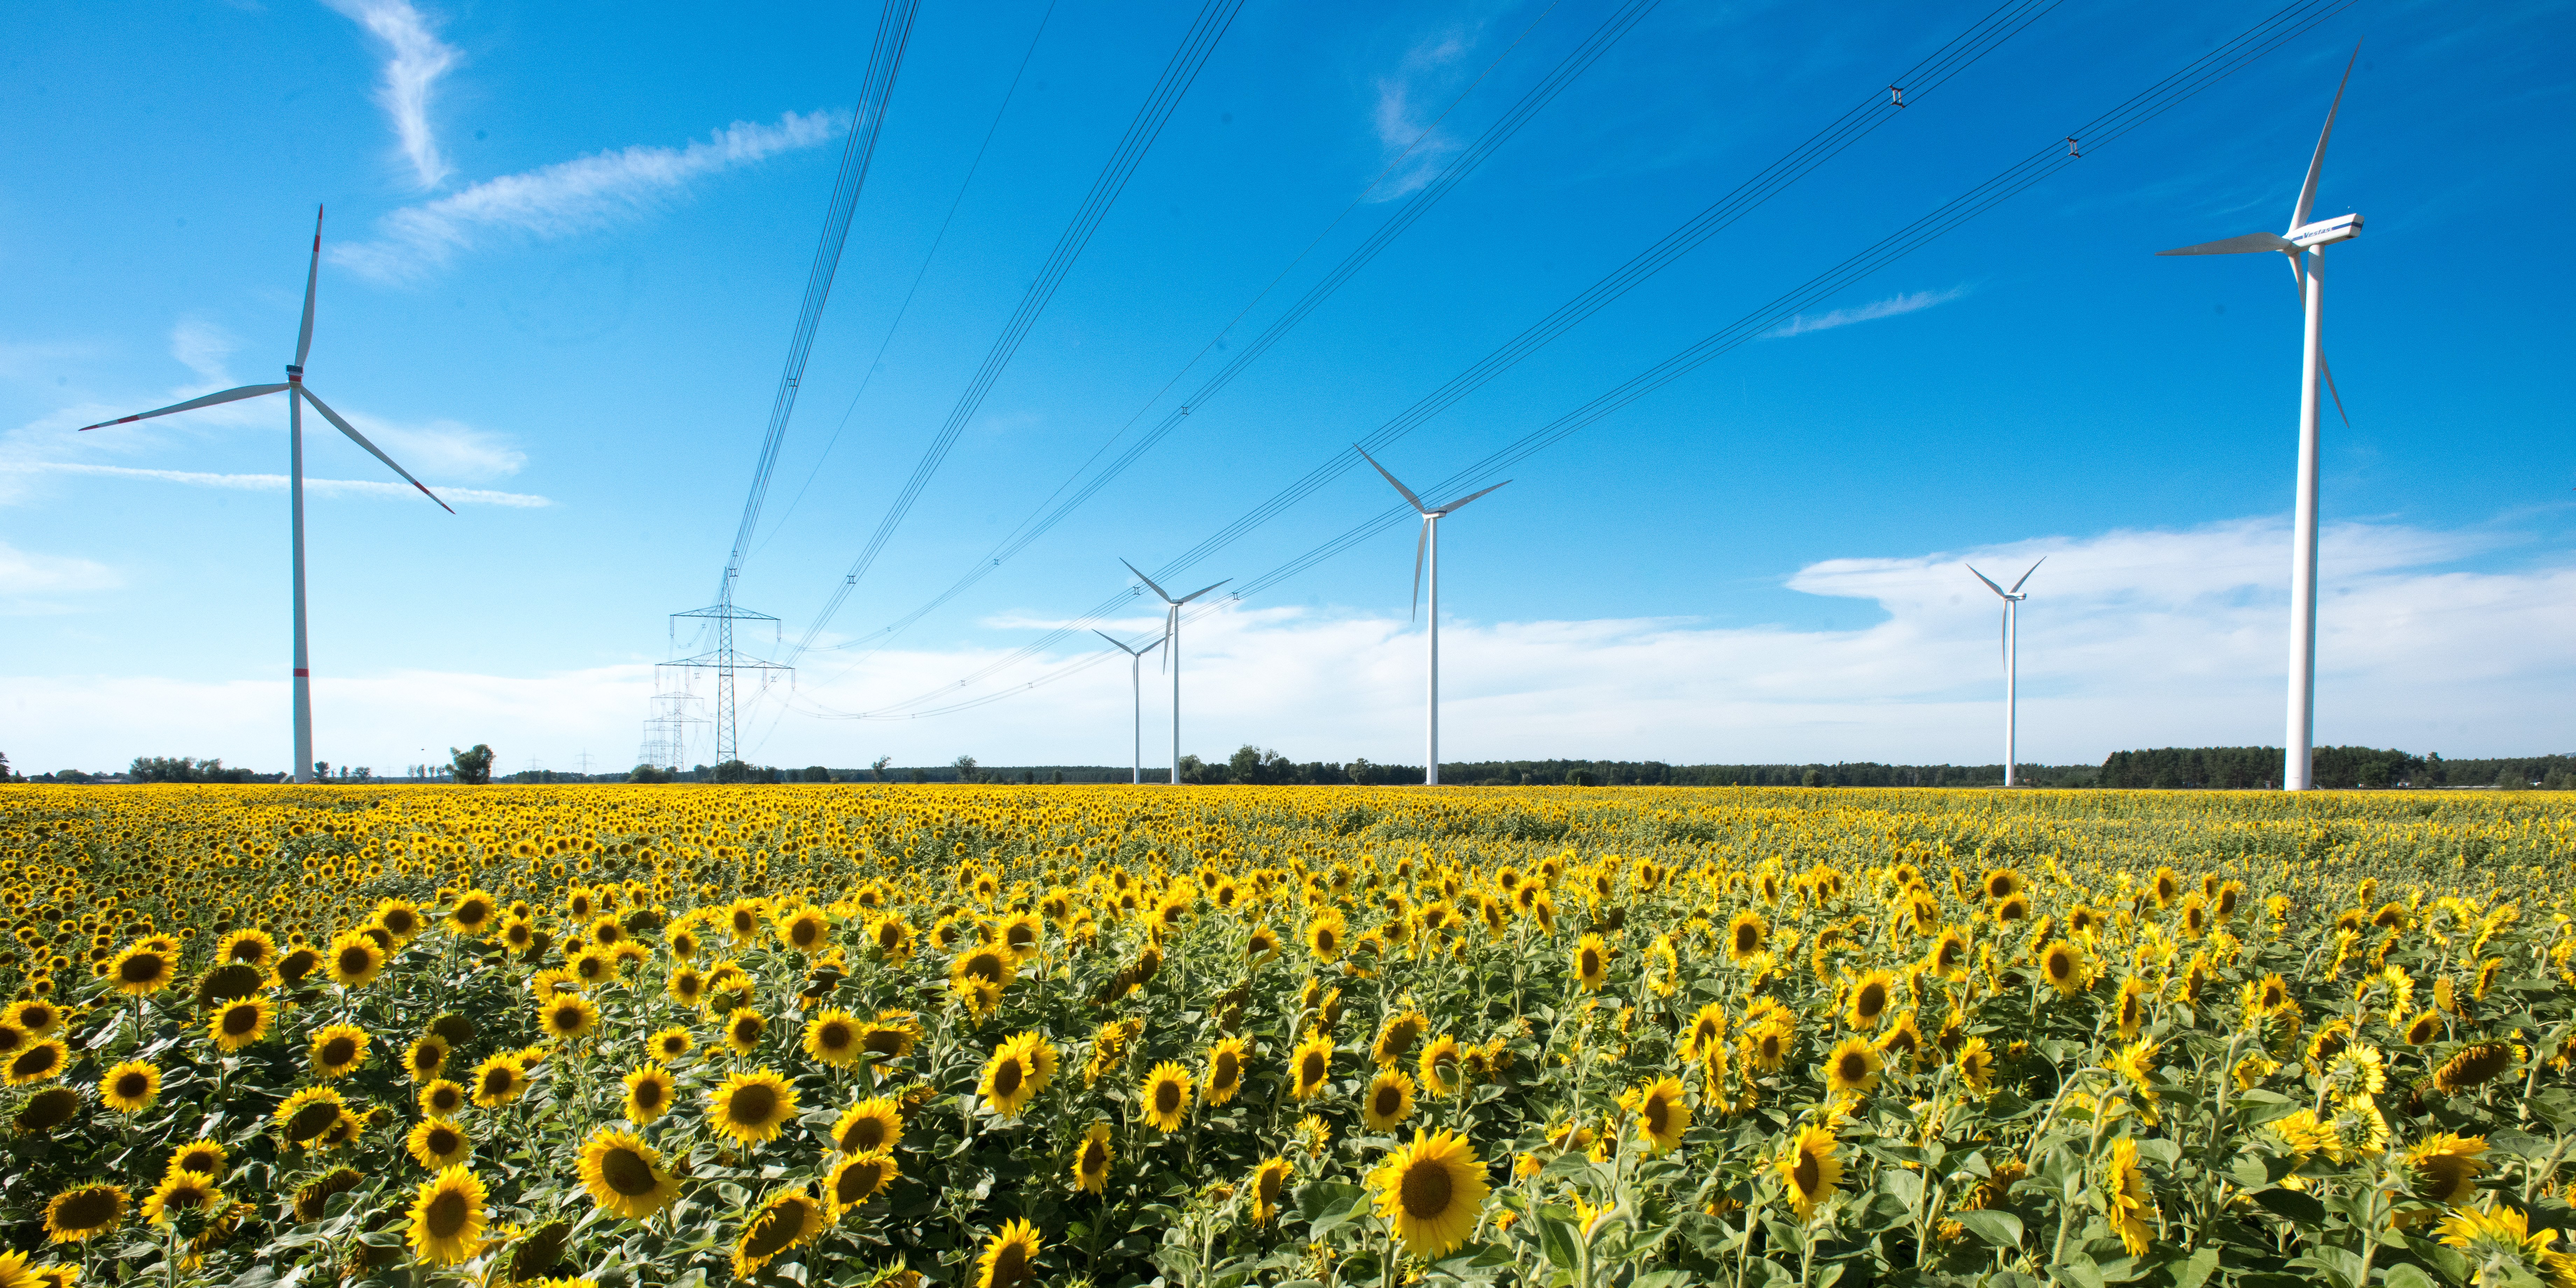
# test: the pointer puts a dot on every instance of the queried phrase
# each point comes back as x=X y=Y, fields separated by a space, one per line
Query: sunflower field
x=1299 y=1037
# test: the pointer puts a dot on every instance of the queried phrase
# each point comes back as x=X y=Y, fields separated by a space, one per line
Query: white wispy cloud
x=569 y=197
x=414 y=60
x=277 y=483
x=1410 y=141
x=1892 y=306
x=23 y=573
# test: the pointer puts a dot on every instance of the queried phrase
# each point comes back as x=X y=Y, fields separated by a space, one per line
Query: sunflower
x=198 y=1156
x=1443 y=1067
x=37 y=1062
x=892 y=1035
x=1327 y=933
x=742 y=1030
x=1023 y=935
x=447 y=1217
x=984 y=962
x=499 y=1080
x=2264 y=996
x=436 y=1143
x=1870 y=998
x=568 y=1017
x=1429 y=1192
x=1766 y=1042
x=868 y=1126
x=1810 y=1170
x=473 y=912
x=1662 y=1116
x=2423 y=1028
x=249 y=947
x=84 y=1212
x=2062 y=965
x=790 y=1220
x=1225 y=1070
x=892 y=937
x=2130 y=1009
x=34 y=1014
x=1009 y=1257
x=752 y=1107
x=648 y=1093
x=426 y=1056
x=143 y=969
x=1707 y=1033
x=2447 y=1167
x=1019 y=1069
x=1591 y=963
x=1395 y=1040
x=833 y=1037
x=338 y=1050
x=624 y=1175
x=805 y=930
x=1746 y=937
x=1091 y=1159
x=355 y=960
x=2501 y=1234
x=130 y=1087
x=1389 y=1099
x=687 y=985
x=1166 y=1096
x=1851 y=1068
x=2126 y=1197
x=858 y=1178
x=1263 y=944
x=308 y=1116
x=441 y=1098
x=2474 y=1066
x=1269 y=1184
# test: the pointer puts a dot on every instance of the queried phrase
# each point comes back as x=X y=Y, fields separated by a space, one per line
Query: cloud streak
x=1892 y=306
x=277 y=483
x=569 y=197
x=415 y=59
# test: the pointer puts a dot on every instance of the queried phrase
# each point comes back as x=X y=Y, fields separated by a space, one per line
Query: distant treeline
x=2335 y=767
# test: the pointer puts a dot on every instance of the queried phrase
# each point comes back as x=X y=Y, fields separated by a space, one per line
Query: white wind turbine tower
x=1136 y=682
x=298 y=394
x=1172 y=655
x=2012 y=660
x=1427 y=546
x=2305 y=243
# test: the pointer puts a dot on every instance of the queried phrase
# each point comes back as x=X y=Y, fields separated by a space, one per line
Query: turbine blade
x=372 y=449
x=1381 y=470
x=1171 y=623
x=1990 y=582
x=229 y=395
x=2317 y=162
x=2026 y=576
x=2328 y=373
x=1149 y=582
x=2299 y=282
x=1114 y=643
x=1455 y=506
x=304 y=338
x=1420 y=543
x=2003 y=637
x=2245 y=245
x=1176 y=604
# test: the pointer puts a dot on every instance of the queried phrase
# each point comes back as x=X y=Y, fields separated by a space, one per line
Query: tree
x=816 y=774
x=878 y=766
x=473 y=767
x=1580 y=778
x=1057 y=778
x=4 y=766
x=965 y=766
x=921 y=775
x=649 y=774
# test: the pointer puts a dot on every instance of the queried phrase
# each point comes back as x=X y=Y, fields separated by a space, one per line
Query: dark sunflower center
x=1855 y=1067
x=626 y=1172
x=1809 y=1173
x=443 y=1140
x=753 y=1104
x=648 y=1094
x=1658 y=1114
x=312 y=1120
x=1167 y=1097
x=1095 y=1157
x=1426 y=1190
x=858 y=1181
x=1313 y=1068
x=141 y=968
x=837 y=1036
x=1388 y=1101
x=88 y=1207
x=777 y=1230
x=1010 y=1264
x=339 y=1051
x=1591 y=962
x=132 y=1086
x=1007 y=1078
x=498 y=1082
x=1747 y=939
x=1227 y=1069
x=889 y=936
x=1268 y=1185
x=445 y=1215
x=1873 y=999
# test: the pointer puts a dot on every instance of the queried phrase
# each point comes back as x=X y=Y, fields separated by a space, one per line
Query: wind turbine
x=1172 y=654
x=2012 y=657
x=1136 y=681
x=297 y=394
x=1427 y=547
x=2305 y=243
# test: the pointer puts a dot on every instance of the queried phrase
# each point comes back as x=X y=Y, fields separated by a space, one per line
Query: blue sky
x=565 y=248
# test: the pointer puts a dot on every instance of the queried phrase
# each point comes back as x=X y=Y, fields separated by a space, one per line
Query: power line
x=1182 y=69
x=868 y=376
x=1049 y=513
x=2271 y=33
x=1934 y=70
